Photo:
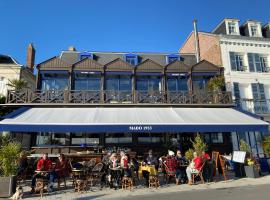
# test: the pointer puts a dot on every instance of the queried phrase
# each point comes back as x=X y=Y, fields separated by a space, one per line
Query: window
x=87 y=81
x=131 y=59
x=151 y=138
x=177 y=83
x=84 y=138
x=254 y=30
x=172 y=58
x=200 y=82
x=54 y=80
x=148 y=83
x=118 y=83
x=259 y=101
x=86 y=55
x=52 y=139
x=232 y=28
x=217 y=138
x=257 y=62
x=237 y=63
x=116 y=138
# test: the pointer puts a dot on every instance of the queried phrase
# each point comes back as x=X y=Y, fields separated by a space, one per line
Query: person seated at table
x=115 y=170
x=171 y=165
x=124 y=163
x=194 y=167
x=61 y=169
x=208 y=167
x=43 y=164
x=180 y=169
x=149 y=160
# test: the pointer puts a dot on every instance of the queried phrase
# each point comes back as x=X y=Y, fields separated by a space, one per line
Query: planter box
x=7 y=186
x=251 y=172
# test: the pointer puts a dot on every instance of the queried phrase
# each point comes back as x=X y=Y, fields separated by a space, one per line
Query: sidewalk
x=106 y=193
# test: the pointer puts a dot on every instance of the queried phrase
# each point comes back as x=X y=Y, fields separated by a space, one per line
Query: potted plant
x=251 y=170
x=9 y=161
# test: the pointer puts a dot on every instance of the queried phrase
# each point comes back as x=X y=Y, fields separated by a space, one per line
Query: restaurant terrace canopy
x=131 y=119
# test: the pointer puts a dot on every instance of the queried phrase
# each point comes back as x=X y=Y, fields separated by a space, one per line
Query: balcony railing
x=119 y=97
x=258 y=106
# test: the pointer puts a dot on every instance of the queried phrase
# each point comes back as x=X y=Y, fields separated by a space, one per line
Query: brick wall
x=209 y=47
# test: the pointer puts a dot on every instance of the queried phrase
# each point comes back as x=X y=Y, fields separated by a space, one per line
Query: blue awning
x=131 y=119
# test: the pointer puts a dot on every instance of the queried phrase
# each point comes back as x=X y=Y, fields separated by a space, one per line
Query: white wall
x=244 y=78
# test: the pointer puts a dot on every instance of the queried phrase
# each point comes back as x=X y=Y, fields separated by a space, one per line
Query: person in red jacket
x=43 y=164
x=194 y=167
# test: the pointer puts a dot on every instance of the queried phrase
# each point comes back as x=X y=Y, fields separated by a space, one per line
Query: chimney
x=30 y=60
x=196 y=41
x=71 y=48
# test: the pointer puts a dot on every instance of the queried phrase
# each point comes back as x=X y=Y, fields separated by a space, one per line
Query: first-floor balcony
x=258 y=106
x=116 y=97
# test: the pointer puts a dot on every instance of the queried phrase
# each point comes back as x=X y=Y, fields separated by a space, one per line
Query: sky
x=113 y=25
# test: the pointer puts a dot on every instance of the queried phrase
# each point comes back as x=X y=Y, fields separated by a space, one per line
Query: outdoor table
x=115 y=175
x=78 y=173
x=149 y=168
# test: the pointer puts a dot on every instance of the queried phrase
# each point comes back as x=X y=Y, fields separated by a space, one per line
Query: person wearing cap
x=171 y=164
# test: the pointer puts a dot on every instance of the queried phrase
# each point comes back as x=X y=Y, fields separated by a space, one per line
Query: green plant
x=189 y=154
x=199 y=145
x=2 y=99
x=9 y=155
x=266 y=145
x=244 y=146
x=216 y=83
x=18 y=84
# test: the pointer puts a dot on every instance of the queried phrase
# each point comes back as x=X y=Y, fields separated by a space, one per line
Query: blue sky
x=113 y=25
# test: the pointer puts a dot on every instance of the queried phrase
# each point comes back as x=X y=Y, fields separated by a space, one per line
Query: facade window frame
x=131 y=59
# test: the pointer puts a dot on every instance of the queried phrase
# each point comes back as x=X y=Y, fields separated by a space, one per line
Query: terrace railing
x=258 y=106
x=119 y=97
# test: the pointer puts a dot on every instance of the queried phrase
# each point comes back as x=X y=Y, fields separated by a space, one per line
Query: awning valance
x=131 y=119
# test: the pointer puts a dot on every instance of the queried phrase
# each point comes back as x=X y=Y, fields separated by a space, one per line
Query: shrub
x=199 y=145
x=189 y=154
x=9 y=155
x=266 y=145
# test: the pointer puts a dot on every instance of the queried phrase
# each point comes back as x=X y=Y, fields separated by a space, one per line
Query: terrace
x=88 y=97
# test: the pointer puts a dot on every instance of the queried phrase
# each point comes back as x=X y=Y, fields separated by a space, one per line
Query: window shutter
x=250 y=62
x=255 y=91
x=258 y=63
x=236 y=90
x=236 y=93
x=233 y=63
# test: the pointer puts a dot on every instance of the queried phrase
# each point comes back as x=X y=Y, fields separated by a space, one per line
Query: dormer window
x=172 y=58
x=131 y=59
x=232 y=28
x=86 y=55
x=254 y=30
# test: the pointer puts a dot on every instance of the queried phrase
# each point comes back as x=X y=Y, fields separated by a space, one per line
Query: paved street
x=245 y=188
x=260 y=192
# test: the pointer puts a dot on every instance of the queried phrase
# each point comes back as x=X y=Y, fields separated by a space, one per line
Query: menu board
x=239 y=156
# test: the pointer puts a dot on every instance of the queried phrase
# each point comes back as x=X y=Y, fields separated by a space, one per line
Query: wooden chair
x=80 y=185
x=215 y=158
x=169 y=173
x=198 y=174
x=153 y=181
x=96 y=174
x=223 y=166
x=127 y=182
x=41 y=183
